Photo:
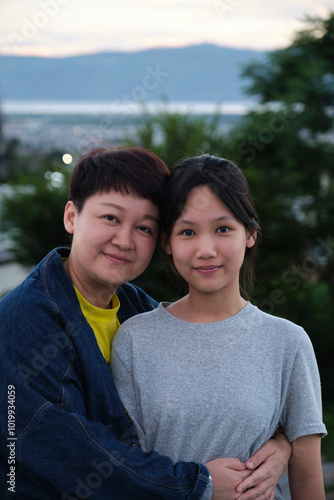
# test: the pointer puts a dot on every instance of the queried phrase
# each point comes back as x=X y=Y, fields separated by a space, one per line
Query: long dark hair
x=229 y=184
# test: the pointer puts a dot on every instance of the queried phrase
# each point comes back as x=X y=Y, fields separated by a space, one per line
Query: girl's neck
x=201 y=308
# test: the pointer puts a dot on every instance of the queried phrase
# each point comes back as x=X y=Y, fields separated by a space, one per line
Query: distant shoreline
x=25 y=107
x=71 y=126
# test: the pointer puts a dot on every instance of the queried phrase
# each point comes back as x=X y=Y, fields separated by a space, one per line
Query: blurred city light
x=67 y=158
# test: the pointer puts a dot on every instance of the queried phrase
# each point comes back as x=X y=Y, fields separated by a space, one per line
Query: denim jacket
x=64 y=433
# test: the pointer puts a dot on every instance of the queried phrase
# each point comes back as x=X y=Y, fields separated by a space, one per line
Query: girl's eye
x=223 y=229
x=187 y=232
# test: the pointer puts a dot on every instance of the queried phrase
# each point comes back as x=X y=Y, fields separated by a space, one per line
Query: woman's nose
x=123 y=238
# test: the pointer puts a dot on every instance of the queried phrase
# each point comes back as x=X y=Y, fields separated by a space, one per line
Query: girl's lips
x=207 y=269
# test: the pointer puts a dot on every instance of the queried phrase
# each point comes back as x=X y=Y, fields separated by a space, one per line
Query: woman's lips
x=117 y=259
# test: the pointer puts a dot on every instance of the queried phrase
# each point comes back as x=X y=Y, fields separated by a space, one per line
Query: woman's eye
x=110 y=218
x=145 y=229
x=187 y=232
x=223 y=229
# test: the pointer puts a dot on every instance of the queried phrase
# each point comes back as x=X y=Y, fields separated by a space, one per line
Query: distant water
x=74 y=127
x=121 y=107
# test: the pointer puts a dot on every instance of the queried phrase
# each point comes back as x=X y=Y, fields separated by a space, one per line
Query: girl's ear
x=251 y=237
x=69 y=216
x=165 y=245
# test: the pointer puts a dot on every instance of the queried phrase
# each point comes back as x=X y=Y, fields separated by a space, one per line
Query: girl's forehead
x=201 y=198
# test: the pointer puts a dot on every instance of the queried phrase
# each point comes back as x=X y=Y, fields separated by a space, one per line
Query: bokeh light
x=67 y=158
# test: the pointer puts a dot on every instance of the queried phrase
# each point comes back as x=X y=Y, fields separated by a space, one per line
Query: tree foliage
x=32 y=207
x=303 y=74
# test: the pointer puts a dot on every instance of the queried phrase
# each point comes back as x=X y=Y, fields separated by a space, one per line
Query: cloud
x=59 y=27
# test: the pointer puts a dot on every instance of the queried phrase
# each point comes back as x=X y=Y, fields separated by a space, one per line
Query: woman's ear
x=251 y=237
x=165 y=245
x=69 y=216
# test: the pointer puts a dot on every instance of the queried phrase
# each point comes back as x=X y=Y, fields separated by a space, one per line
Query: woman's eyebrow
x=120 y=207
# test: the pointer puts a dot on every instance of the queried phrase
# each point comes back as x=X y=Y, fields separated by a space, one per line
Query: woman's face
x=114 y=237
x=208 y=244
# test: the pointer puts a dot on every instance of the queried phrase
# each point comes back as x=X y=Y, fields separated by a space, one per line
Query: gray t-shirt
x=198 y=391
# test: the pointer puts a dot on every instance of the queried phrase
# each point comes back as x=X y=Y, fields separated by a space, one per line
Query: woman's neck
x=97 y=296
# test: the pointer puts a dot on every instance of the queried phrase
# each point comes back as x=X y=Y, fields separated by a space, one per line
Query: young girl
x=211 y=375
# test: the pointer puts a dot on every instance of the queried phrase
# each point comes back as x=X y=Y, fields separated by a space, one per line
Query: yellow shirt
x=103 y=321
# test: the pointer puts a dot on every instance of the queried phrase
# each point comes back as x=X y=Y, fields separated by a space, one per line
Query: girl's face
x=208 y=244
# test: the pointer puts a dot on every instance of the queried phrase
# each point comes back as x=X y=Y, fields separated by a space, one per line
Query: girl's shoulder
x=277 y=320
x=142 y=321
x=279 y=327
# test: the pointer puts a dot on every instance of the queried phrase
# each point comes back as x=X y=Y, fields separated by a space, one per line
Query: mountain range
x=206 y=72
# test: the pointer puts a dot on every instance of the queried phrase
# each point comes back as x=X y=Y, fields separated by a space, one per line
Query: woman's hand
x=226 y=474
x=267 y=464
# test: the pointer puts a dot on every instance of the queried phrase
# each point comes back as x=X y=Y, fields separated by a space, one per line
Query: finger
x=257 y=494
x=260 y=455
x=259 y=478
x=235 y=464
x=229 y=463
x=243 y=475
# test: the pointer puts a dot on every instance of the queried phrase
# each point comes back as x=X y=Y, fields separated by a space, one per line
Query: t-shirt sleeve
x=122 y=370
x=302 y=413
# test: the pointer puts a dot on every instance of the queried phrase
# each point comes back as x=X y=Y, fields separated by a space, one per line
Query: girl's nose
x=206 y=248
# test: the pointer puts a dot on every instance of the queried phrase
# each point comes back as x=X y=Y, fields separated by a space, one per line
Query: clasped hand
x=256 y=479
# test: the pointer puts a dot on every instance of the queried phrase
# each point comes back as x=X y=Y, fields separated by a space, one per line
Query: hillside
x=193 y=73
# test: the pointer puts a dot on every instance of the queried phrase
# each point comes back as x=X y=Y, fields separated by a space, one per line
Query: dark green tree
x=174 y=136
x=32 y=208
x=301 y=77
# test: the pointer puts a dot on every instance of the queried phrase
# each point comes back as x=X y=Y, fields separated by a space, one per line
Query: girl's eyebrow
x=218 y=219
x=183 y=221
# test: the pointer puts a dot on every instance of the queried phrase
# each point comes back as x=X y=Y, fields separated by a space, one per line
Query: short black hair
x=130 y=170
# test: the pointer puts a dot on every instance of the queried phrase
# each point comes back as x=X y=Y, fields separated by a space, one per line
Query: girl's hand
x=267 y=464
